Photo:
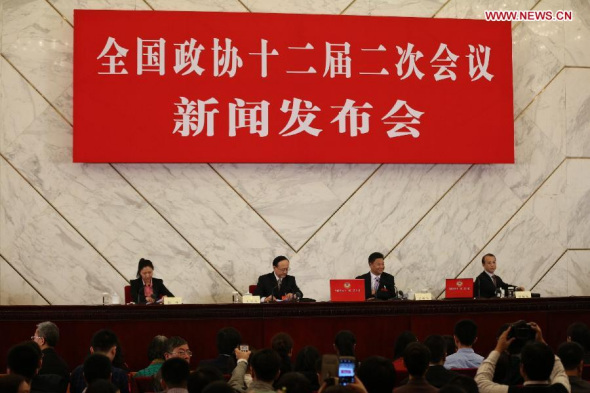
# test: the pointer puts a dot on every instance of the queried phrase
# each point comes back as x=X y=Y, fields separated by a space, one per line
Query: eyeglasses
x=182 y=353
x=285 y=270
x=35 y=337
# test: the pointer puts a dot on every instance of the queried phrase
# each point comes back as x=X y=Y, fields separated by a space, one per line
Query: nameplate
x=250 y=299
x=172 y=300
x=522 y=294
x=423 y=296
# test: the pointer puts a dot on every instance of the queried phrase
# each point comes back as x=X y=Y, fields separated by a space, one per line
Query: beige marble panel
x=537 y=56
x=548 y=111
x=14 y=290
x=197 y=5
x=577 y=34
x=469 y=9
x=19 y=106
x=568 y=277
x=577 y=198
x=295 y=199
x=48 y=251
x=67 y=7
x=38 y=42
x=577 y=110
x=424 y=9
x=298 y=6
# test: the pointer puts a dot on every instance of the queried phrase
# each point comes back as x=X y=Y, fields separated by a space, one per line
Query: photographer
x=540 y=368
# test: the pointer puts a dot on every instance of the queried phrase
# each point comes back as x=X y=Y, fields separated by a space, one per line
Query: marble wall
x=69 y=232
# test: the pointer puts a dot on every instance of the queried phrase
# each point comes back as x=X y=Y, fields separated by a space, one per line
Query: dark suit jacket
x=419 y=385
x=137 y=295
x=386 y=286
x=267 y=285
x=438 y=376
x=484 y=286
x=54 y=364
x=223 y=363
x=555 y=388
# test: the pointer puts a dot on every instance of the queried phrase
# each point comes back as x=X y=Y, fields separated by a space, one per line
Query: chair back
x=127 y=294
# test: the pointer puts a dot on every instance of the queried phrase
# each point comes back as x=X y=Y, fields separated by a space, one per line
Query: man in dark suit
x=46 y=336
x=487 y=283
x=278 y=284
x=416 y=358
x=228 y=339
x=437 y=375
x=378 y=284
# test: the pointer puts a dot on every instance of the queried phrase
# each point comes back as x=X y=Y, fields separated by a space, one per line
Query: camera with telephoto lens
x=522 y=331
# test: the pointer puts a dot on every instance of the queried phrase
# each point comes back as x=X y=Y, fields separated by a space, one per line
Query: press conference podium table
x=376 y=324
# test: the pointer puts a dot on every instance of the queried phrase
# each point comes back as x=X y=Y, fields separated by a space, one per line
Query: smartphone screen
x=346 y=370
x=244 y=347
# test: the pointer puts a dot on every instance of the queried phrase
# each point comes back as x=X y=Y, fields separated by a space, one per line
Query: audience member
x=103 y=342
x=416 y=357
x=218 y=387
x=571 y=355
x=508 y=365
x=580 y=333
x=97 y=366
x=102 y=386
x=46 y=336
x=305 y=363
x=345 y=343
x=175 y=373
x=437 y=375
x=265 y=370
x=402 y=341
x=541 y=369
x=240 y=380
x=155 y=354
x=294 y=382
x=465 y=335
x=377 y=374
x=176 y=347
x=467 y=384
x=282 y=344
x=14 y=383
x=228 y=339
x=25 y=360
x=202 y=377
x=450 y=344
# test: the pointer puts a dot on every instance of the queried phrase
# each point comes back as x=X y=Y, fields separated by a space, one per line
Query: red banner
x=154 y=86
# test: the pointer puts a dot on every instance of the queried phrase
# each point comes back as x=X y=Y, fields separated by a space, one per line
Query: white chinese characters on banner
x=252 y=115
x=194 y=116
x=351 y=113
x=302 y=116
x=191 y=120
x=187 y=57
x=114 y=54
x=151 y=56
x=410 y=116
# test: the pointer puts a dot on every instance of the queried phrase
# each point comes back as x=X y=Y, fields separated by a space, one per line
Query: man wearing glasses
x=278 y=285
x=46 y=336
x=176 y=347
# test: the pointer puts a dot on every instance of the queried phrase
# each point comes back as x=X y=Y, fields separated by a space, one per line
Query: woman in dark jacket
x=145 y=289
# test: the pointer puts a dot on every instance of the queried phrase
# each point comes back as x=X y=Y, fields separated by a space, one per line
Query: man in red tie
x=487 y=283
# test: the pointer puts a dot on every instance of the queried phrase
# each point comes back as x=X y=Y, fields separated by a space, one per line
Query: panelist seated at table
x=487 y=283
x=378 y=284
x=146 y=289
x=278 y=285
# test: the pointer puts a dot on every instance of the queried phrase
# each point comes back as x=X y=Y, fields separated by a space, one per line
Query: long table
x=375 y=324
